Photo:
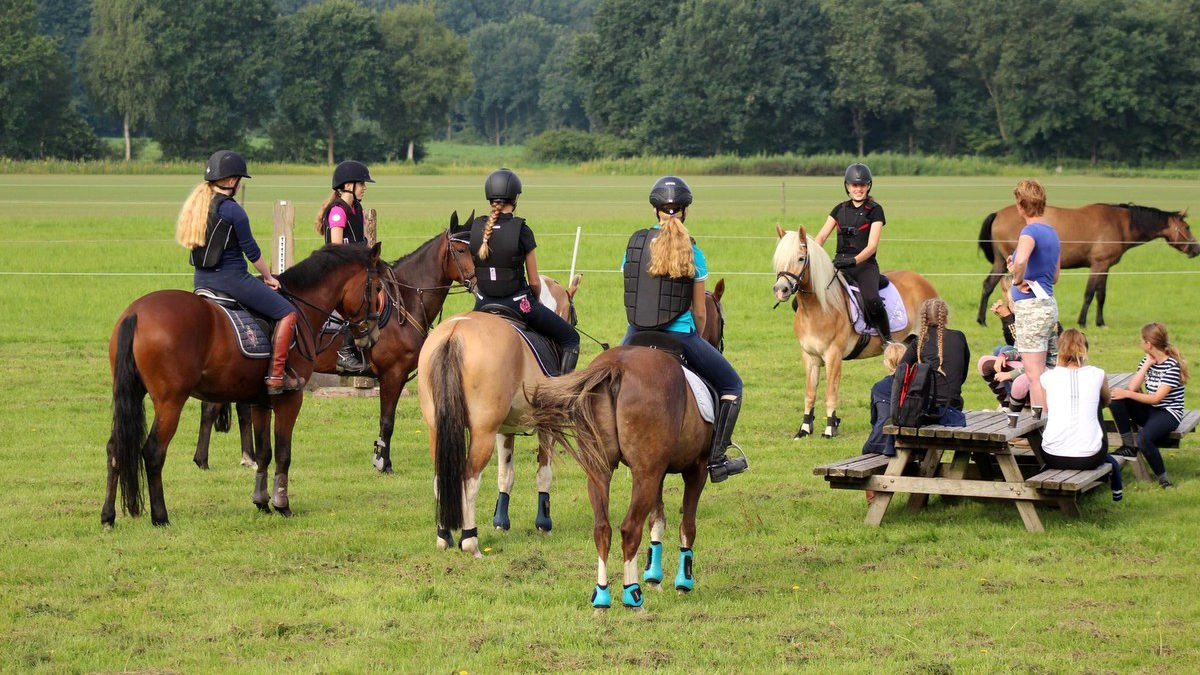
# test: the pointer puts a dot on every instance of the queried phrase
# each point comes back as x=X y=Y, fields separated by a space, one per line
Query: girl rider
x=503 y=248
x=217 y=231
x=664 y=290
x=859 y=222
x=341 y=222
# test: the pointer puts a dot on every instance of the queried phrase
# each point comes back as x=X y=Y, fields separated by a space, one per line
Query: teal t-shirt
x=685 y=323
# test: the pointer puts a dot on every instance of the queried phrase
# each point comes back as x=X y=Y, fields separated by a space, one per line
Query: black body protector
x=218 y=236
x=503 y=273
x=353 y=232
x=652 y=302
x=854 y=227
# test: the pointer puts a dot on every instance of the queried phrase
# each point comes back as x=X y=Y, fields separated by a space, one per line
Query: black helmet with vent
x=502 y=185
x=223 y=164
x=351 y=171
x=670 y=191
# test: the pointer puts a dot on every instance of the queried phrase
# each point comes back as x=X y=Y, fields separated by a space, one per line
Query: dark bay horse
x=416 y=287
x=1094 y=236
x=174 y=345
x=633 y=406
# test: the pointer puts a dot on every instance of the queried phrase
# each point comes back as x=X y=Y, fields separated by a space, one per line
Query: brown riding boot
x=278 y=380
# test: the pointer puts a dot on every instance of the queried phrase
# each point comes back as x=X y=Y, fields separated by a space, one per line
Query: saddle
x=545 y=350
x=702 y=389
x=253 y=330
x=896 y=311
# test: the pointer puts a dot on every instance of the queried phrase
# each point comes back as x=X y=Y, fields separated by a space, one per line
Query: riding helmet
x=670 y=191
x=351 y=171
x=502 y=185
x=223 y=164
x=857 y=173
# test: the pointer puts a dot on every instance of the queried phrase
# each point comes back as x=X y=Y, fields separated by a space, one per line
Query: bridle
x=393 y=290
x=795 y=281
x=365 y=330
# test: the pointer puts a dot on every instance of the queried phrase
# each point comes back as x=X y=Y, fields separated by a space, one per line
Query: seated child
x=881 y=404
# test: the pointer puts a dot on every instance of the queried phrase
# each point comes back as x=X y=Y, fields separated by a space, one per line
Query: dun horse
x=633 y=405
x=174 y=345
x=472 y=375
x=1094 y=236
x=822 y=323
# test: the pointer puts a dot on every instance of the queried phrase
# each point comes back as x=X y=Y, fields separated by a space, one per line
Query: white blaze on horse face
x=506 y=476
x=601 y=572
x=631 y=571
x=543 y=477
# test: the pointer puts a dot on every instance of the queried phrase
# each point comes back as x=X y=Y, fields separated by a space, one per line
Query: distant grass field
x=788 y=577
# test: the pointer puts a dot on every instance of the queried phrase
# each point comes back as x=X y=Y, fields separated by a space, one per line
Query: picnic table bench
x=1141 y=469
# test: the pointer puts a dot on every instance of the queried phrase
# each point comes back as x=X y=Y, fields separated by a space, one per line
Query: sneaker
x=1165 y=483
x=1126 y=451
x=1118 y=495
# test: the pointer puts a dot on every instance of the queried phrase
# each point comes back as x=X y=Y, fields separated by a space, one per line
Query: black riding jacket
x=854 y=225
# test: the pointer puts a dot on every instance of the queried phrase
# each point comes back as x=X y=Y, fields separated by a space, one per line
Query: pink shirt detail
x=337 y=217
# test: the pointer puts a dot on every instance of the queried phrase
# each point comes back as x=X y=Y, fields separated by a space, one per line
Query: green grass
x=788 y=577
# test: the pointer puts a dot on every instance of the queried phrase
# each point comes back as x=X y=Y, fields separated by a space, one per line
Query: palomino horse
x=416 y=287
x=174 y=345
x=472 y=376
x=822 y=323
x=1094 y=236
x=632 y=405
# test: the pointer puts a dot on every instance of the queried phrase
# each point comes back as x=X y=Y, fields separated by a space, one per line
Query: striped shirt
x=1165 y=374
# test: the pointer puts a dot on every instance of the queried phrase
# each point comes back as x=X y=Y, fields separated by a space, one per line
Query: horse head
x=363 y=305
x=458 y=265
x=801 y=266
x=564 y=298
x=1180 y=236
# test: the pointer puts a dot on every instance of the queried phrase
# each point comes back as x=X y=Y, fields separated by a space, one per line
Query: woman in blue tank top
x=1035 y=268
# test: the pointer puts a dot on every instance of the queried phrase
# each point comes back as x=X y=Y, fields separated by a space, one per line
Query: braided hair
x=497 y=207
x=934 y=314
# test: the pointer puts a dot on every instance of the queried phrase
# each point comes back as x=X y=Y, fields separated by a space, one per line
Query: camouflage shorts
x=1036 y=325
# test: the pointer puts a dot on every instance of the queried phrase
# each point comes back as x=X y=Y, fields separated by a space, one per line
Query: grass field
x=788 y=577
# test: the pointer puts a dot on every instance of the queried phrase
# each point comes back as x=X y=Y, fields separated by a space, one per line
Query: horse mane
x=317 y=266
x=1146 y=221
x=406 y=257
x=820 y=266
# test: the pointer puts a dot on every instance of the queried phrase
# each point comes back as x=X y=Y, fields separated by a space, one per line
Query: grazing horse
x=416 y=287
x=632 y=405
x=174 y=345
x=472 y=375
x=1094 y=236
x=822 y=323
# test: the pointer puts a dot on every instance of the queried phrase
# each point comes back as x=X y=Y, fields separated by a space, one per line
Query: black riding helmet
x=502 y=185
x=350 y=171
x=857 y=173
x=223 y=164
x=670 y=191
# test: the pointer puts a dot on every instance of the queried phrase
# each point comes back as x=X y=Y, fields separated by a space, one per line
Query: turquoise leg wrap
x=653 y=573
x=684 y=580
x=500 y=517
x=632 y=596
x=601 y=597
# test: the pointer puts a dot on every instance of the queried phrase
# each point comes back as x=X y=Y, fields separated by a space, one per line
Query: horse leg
x=261 y=420
x=287 y=408
x=833 y=380
x=246 y=430
x=653 y=572
x=542 y=479
x=812 y=369
x=598 y=487
x=1101 y=291
x=483 y=443
x=989 y=285
x=504 y=481
x=693 y=485
x=1088 y=294
x=108 y=512
x=166 y=421
x=208 y=416
x=647 y=491
x=390 y=386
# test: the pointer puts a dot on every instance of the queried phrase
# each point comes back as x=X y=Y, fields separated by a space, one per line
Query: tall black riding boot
x=349 y=359
x=721 y=467
x=570 y=357
x=877 y=315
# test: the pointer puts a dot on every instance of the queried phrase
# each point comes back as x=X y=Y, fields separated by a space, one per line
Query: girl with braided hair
x=946 y=351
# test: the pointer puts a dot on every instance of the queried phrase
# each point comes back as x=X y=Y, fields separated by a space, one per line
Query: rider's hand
x=843 y=261
x=272 y=282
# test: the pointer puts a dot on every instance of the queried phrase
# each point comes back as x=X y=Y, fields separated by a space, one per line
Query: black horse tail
x=129 y=419
x=223 y=422
x=451 y=420
x=985 y=239
x=563 y=403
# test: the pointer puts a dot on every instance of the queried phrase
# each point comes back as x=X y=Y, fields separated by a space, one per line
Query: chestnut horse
x=822 y=323
x=472 y=376
x=174 y=345
x=632 y=405
x=416 y=287
x=1094 y=236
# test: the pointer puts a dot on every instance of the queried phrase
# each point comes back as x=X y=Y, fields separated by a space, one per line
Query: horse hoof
x=654 y=586
x=284 y=511
x=636 y=610
x=161 y=523
x=682 y=590
x=203 y=466
x=441 y=544
x=599 y=612
x=107 y=527
x=249 y=464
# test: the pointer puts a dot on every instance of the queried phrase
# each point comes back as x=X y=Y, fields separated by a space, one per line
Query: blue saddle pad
x=253 y=339
x=544 y=349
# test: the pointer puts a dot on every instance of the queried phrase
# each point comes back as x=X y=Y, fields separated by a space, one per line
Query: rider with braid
x=664 y=290
x=503 y=248
x=217 y=231
x=859 y=223
x=948 y=356
x=340 y=221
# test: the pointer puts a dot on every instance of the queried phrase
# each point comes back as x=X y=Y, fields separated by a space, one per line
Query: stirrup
x=723 y=467
x=279 y=385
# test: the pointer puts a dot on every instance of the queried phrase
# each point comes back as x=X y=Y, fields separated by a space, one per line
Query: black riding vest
x=503 y=273
x=854 y=226
x=652 y=302
x=218 y=236
x=353 y=232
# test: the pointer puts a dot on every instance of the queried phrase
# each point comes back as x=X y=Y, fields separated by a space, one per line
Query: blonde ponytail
x=497 y=207
x=671 y=252
x=192 y=225
x=321 y=224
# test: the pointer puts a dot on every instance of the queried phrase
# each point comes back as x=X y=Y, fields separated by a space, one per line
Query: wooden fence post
x=283 y=239
x=370 y=222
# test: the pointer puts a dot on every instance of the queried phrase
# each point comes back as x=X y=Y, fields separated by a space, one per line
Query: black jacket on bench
x=957 y=358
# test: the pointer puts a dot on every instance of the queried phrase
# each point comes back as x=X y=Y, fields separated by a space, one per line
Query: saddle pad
x=253 y=339
x=544 y=349
x=896 y=311
x=703 y=394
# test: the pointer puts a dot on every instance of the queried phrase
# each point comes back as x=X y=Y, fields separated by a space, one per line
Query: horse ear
x=472 y=218
x=719 y=289
x=454 y=220
x=803 y=233
x=1183 y=213
x=779 y=230
x=375 y=252
x=575 y=281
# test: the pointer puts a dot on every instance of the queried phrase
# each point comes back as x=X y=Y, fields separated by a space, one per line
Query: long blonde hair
x=497 y=209
x=1156 y=334
x=321 y=224
x=671 y=252
x=934 y=314
x=1072 y=348
x=192 y=225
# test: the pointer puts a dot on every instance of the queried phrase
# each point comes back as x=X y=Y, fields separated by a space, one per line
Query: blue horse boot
x=683 y=580
x=543 y=515
x=632 y=596
x=653 y=573
x=500 y=517
x=601 y=597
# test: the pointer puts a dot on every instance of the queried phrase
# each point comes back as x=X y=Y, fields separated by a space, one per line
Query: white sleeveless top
x=1072 y=403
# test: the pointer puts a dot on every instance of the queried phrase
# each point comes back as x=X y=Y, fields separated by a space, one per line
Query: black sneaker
x=1126 y=451
x=1166 y=484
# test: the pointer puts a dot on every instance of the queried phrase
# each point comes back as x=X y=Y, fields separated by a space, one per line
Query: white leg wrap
x=631 y=571
x=601 y=572
x=543 y=478
x=505 y=475
x=658 y=528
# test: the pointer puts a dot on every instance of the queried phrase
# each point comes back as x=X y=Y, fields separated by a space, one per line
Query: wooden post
x=370 y=222
x=783 y=198
x=283 y=239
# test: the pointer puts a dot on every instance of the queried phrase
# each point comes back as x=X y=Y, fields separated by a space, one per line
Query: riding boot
x=721 y=467
x=349 y=360
x=570 y=356
x=877 y=315
x=278 y=380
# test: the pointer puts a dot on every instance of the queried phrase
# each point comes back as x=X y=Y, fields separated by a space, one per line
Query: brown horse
x=416 y=288
x=1094 y=236
x=632 y=405
x=174 y=345
x=822 y=323
x=472 y=375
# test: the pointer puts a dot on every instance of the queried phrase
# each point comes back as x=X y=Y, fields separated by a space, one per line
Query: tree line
x=1106 y=80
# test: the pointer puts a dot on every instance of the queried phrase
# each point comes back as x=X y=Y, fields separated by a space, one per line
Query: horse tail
x=451 y=422
x=985 y=238
x=223 y=422
x=563 y=403
x=129 y=418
